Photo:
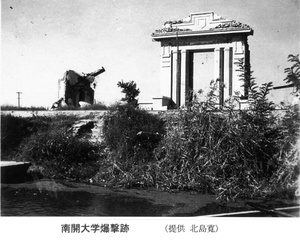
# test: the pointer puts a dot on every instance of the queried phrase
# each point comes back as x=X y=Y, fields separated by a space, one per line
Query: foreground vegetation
x=204 y=147
x=228 y=153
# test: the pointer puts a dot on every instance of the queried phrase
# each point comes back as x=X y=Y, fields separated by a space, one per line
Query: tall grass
x=61 y=155
x=229 y=153
x=206 y=148
x=46 y=142
x=15 y=129
x=130 y=137
x=285 y=179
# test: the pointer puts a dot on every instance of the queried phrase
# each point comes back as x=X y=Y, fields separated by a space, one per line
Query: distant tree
x=293 y=73
x=131 y=92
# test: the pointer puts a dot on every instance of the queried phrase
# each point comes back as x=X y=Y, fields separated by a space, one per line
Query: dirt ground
x=53 y=197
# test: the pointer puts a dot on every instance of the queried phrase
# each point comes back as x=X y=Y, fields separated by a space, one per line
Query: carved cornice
x=233 y=24
x=174 y=22
x=170 y=30
x=201 y=23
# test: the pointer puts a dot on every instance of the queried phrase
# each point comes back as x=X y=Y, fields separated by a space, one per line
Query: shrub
x=15 y=129
x=293 y=73
x=131 y=131
x=60 y=154
x=45 y=141
x=206 y=147
x=130 y=135
x=285 y=180
x=131 y=92
x=226 y=152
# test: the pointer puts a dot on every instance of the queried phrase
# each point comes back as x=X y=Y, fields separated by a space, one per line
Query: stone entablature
x=198 y=49
x=201 y=24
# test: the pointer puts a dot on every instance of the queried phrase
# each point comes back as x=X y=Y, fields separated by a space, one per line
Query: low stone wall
x=14 y=172
x=90 y=123
x=79 y=113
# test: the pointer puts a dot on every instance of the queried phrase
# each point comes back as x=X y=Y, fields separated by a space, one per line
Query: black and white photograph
x=120 y=113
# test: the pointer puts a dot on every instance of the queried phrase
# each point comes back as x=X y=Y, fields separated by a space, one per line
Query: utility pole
x=19 y=98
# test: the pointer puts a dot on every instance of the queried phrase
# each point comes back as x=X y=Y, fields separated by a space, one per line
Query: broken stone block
x=91 y=129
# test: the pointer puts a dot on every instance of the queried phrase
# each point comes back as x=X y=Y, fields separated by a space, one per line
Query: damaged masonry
x=75 y=89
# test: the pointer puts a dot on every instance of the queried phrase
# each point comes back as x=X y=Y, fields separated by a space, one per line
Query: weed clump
x=285 y=178
x=131 y=135
x=231 y=153
x=15 y=129
x=47 y=143
x=61 y=155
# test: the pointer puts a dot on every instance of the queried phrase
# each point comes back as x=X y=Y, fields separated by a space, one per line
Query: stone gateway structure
x=198 y=49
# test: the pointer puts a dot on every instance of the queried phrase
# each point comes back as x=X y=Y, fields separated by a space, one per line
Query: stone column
x=217 y=64
x=221 y=77
x=183 y=77
x=174 y=74
x=217 y=69
x=238 y=54
x=226 y=73
x=166 y=76
x=178 y=78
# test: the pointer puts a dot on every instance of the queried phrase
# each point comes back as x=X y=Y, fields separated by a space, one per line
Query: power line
x=19 y=98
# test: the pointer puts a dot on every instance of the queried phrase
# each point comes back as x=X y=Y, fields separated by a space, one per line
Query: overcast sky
x=41 y=39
